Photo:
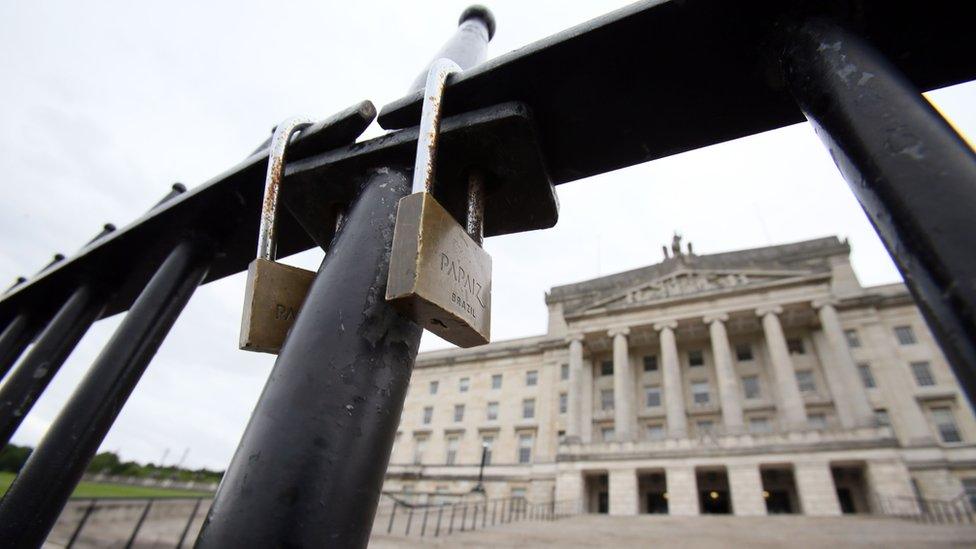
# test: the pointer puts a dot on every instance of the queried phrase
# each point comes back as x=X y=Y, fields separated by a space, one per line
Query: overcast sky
x=104 y=104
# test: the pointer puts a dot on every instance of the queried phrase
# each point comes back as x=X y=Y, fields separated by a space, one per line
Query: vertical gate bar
x=912 y=173
x=464 y=515
x=494 y=507
x=13 y=340
x=450 y=525
x=29 y=379
x=484 y=514
x=135 y=531
x=39 y=493
x=423 y=527
x=316 y=448
x=440 y=514
x=189 y=523
x=389 y=527
x=81 y=524
x=406 y=530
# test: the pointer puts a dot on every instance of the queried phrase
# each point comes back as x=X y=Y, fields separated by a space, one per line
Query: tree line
x=13 y=457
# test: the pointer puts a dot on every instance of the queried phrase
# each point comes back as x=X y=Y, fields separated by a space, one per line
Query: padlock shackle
x=267 y=243
x=430 y=122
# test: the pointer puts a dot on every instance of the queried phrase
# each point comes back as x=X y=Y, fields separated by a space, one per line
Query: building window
x=705 y=426
x=606 y=368
x=459 y=412
x=487 y=442
x=881 y=416
x=420 y=444
x=945 y=422
x=563 y=402
x=655 y=431
x=867 y=378
x=750 y=387
x=795 y=346
x=969 y=487
x=853 y=341
x=531 y=378
x=817 y=421
x=528 y=408
x=743 y=352
x=650 y=363
x=524 y=448
x=652 y=397
x=491 y=411
x=696 y=358
x=463 y=384
x=606 y=399
x=606 y=434
x=805 y=381
x=496 y=381
x=564 y=372
x=699 y=392
x=433 y=387
x=452 y=449
x=428 y=414
x=905 y=335
x=759 y=425
x=923 y=374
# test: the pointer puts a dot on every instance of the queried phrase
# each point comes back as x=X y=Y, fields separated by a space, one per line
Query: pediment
x=687 y=282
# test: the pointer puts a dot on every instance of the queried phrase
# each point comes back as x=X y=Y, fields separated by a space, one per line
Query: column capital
x=618 y=330
x=578 y=336
x=670 y=324
x=764 y=310
x=716 y=317
x=822 y=302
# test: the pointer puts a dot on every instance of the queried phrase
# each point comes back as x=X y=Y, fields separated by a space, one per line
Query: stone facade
x=749 y=382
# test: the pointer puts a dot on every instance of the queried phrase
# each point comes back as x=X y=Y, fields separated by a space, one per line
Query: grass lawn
x=98 y=490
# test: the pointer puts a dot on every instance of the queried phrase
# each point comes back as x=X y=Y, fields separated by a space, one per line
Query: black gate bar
x=310 y=465
x=913 y=174
x=31 y=376
x=13 y=341
x=39 y=493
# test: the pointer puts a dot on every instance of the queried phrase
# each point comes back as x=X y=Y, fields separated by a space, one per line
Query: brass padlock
x=274 y=291
x=440 y=276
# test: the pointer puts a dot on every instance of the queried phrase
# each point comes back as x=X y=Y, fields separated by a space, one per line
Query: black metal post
x=406 y=530
x=36 y=498
x=450 y=525
x=81 y=524
x=423 y=527
x=311 y=462
x=29 y=379
x=440 y=514
x=13 y=341
x=189 y=523
x=913 y=174
x=389 y=527
x=138 y=526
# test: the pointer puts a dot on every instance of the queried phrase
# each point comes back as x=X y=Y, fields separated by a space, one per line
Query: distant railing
x=446 y=518
x=121 y=522
x=958 y=510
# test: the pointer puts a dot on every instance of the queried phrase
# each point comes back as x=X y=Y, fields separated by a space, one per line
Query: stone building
x=750 y=382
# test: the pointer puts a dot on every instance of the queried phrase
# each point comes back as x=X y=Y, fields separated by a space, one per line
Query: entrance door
x=778 y=502
x=603 y=503
x=656 y=503
x=846 y=501
x=715 y=502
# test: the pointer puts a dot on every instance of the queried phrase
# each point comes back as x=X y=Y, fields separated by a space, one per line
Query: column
x=624 y=412
x=682 y=490
x=674 y=394
x=860 y=410
x=791 y=405
x=586 y=403
x=745 y=483
x=837 y=383
x=574 y=405
x=623 y=491
x=569 y=487
x=891 y=484
x=728 y=384
x=898 y=388
x=815 y=487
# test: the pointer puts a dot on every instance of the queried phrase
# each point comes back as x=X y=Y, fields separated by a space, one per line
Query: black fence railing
x=399 y=517
x=130 y=522
x=958 y=510
x=583 y=102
